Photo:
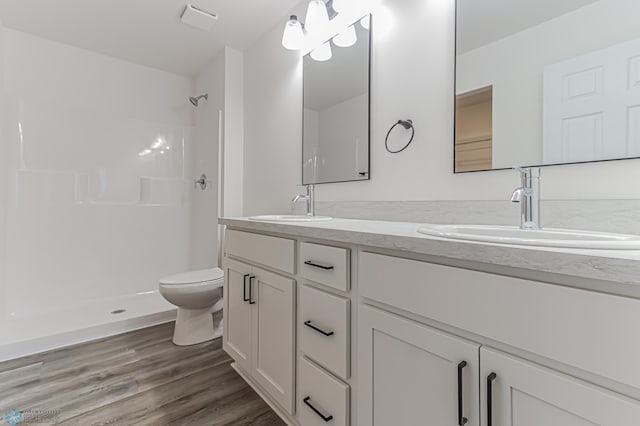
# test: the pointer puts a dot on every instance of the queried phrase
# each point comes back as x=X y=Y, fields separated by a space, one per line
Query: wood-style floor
x=138 y=378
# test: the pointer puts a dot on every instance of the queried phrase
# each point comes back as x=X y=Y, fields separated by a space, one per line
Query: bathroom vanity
x=351 y=322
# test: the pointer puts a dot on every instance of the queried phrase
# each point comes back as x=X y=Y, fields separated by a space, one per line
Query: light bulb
x=293 y=36
x=322 y=53
x=346 y=38
x=365 y=22
x=317 y=16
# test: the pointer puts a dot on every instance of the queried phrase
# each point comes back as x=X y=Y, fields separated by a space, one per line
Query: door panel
x=590 y=106
x=525 y=394
x=409 y=373
x=237 y=314
x=273 y=345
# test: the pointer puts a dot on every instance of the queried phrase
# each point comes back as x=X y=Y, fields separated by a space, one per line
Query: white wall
x=514 y=67
x=272 y=125
x=204 y=229
x=412 y=77
x=88 y=217
x=233 y=133
x=217 y=152
x=3 y=184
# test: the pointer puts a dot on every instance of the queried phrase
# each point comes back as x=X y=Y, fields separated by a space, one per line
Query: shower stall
x=97 y=173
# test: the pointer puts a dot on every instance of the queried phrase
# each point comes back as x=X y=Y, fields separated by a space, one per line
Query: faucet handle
x=516 y=196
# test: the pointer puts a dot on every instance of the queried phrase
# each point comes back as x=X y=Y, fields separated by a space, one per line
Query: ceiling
x=481 y=22
x=147 y=32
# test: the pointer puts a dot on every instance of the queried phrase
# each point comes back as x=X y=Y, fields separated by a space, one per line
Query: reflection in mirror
x=542 y=82
x=335 y=144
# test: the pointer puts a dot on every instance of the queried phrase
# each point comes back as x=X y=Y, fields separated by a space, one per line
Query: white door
x=525 y=394
x=409 y=374
x=273 y=339
x=237 y=313
x=591 y=106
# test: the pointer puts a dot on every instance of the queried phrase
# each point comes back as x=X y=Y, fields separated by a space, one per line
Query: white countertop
x=576 y=266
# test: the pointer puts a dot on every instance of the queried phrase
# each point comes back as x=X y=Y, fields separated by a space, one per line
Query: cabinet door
x=525 y=394
x=409 y=373
x=273 y=344
x=237 y=313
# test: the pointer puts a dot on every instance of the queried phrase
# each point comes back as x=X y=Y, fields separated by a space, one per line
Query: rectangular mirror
x=543 y=82
x=335 y=142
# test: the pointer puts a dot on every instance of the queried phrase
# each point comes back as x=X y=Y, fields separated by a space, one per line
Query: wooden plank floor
x=137 y=378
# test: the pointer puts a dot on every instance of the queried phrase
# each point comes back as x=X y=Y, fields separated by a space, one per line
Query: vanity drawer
x=583 y=329
x=325 y=265
x=273 y=252
x=321 y=396
x=325 y=329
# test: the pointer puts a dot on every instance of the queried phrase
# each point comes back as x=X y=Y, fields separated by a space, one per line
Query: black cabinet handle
x=315 y=410
x=251 y=301
x=324 y=333
x=244 y=290
x=490 y=378
x=461 y=419
x=317 y=265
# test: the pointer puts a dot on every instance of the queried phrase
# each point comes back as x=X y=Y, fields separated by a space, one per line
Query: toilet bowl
x=198 y=295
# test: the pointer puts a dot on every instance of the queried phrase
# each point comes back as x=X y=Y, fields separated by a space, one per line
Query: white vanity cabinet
x=238 y=313
x=414 y=375
x=519 y=393
x=324 y=331
x=408 y=367
x=259 y=328
x=326 y=265
x=343 y=334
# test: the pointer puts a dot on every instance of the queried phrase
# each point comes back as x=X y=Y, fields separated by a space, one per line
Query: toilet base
x=194 y=326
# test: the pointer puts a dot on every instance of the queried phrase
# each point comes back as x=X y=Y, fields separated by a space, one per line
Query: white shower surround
x=88 y=224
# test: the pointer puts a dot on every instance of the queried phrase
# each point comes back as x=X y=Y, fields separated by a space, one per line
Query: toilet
x=198 y=295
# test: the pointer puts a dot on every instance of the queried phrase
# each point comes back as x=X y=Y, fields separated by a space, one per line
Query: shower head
x=194 y=100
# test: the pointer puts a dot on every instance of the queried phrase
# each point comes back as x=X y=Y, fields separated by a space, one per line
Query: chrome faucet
x=528 y=195
x=310 y=198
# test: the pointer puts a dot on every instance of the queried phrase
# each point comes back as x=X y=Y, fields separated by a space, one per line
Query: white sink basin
x=564 y=238
x=289 y=218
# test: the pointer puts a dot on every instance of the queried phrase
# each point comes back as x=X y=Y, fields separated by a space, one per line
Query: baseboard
x=279 y=411
x=57 y=341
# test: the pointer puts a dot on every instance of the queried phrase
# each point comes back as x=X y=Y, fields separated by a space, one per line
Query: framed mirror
x=335 y=141
x=545 y=82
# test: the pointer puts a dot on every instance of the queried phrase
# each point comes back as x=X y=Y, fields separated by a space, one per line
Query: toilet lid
x=194 y=277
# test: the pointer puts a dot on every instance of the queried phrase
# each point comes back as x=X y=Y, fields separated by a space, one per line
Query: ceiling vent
x=198 y=18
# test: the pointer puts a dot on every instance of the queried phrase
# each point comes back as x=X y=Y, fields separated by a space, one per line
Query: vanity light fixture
x=317 y=17
x=322 y=52
x=293 y=36
x=338 y=5
x=346 y=38
x=365 y=22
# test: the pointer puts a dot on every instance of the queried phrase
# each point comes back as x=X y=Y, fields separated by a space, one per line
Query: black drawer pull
x=315 y=410
x=244 y=290
x=490 y=378
x=251 y=301
x=324 y=333
x=461 y=419
x=317 y=265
